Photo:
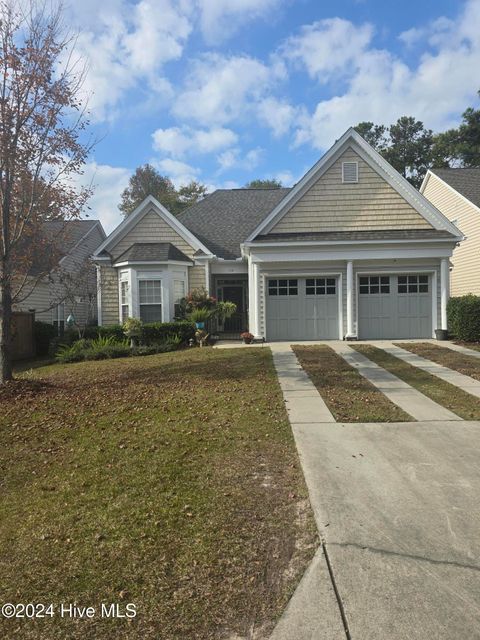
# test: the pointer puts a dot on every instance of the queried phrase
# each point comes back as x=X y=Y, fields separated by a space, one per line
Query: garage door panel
x=403 y=310
x=312 y=314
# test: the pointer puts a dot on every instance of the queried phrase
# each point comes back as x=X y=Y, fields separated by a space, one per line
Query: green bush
x=113 y=330
x=98 y=349
x=464 y=318
x=159 y=332
x=43 y=333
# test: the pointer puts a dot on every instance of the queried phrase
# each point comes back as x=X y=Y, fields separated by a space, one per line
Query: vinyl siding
x=150 y=228
x=465 y=275
x=370 y=204
x=40 y=300
x=109 y=294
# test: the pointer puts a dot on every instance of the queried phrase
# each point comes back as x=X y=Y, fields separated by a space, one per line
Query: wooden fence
x=23 y=346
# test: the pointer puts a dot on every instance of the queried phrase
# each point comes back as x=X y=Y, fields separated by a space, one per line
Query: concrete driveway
x=398 y=506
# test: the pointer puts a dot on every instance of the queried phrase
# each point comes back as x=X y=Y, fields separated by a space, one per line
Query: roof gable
x=149 y=206
x=464 y=181
x=416 y=202
x=153 y=252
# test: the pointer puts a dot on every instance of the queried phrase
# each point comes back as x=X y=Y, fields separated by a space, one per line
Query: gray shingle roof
x=226 y=217
x=466 y=181
x=394 y=234
x=59 y=238
x=153 y=252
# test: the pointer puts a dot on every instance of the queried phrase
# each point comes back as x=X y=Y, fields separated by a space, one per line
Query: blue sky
x=224 y=91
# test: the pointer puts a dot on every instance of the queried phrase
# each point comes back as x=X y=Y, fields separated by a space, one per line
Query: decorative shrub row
x=153 y=332
x=464 y=318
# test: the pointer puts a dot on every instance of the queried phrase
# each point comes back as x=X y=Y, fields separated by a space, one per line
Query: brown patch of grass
x=468 y=365
x=348 y=395
x=460 y=402
x=169 y=481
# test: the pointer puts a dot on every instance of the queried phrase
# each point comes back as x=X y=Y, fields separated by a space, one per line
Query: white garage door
x=397 y=306
x=302 y=308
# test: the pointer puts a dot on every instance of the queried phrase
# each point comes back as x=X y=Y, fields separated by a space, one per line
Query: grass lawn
x=348 y=395
x=448 y=395
x=468 y=365
x=168 y=481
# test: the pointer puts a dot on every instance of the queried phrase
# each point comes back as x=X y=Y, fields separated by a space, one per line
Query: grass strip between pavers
x=468 y=365
x=168 y=481
x=448 y=395
x=349 y=396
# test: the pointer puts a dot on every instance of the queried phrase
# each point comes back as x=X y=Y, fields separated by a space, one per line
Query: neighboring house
x=62 y=278
x=456 y=192
x=352 y=250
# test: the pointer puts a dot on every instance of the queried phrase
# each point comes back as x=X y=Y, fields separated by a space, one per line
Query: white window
x=124 y=306
x=150 y=300
x=59 y=318
x=178 y=294
x=350 y=172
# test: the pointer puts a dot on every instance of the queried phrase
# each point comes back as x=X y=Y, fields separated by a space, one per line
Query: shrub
x=158 y=332
x=464 y=318
x=98 y=349
x=113 y=330
x=43 y=333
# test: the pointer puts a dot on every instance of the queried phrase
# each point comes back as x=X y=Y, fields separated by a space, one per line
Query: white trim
x=343 y=172
x=430 y=173
x=435 y=301
x=350 y=296
x=137 y=263
x=295 y=275
x=444 y=291
x=207 y=276
x=151 y=204
x=398 y=272
x=319 y=243
x=351 y=254
x=423 y=206
x=99 y=295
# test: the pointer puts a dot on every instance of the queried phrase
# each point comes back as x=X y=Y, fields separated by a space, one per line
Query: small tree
x=41 y=151
x=263 y=184
x=147 y=181
x=190 y=194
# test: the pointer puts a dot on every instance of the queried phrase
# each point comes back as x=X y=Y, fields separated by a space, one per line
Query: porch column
x=207 y=276
x=252 y=325
x=444 y=290
x=350 y=295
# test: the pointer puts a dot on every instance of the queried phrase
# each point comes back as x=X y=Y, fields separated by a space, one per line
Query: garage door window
x=413 y=284
x=321 y=286
x=283 y=287
x=374 y=284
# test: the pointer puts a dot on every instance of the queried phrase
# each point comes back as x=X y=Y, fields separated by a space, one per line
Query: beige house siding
x=108 y=286
x=40 y=300
x=465 y=275
x=330 y=205
x=150 y=228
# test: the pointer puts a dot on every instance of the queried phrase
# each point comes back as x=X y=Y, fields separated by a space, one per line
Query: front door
x=235 y=292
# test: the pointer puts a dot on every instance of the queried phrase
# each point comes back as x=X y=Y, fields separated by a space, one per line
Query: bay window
x=150 y=300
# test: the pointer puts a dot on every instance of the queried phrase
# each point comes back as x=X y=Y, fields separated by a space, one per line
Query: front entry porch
x=232 y=289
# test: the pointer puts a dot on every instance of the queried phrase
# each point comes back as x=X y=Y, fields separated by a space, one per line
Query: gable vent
x=350 y=172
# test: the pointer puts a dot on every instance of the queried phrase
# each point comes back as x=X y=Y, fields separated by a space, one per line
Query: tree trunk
x=6 y=372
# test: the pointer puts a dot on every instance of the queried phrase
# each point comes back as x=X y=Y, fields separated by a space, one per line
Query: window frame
x=143 y=279
x=321 y=285
x=413 y=283
x=374 y=281
x=282 y=284
x=176 y=300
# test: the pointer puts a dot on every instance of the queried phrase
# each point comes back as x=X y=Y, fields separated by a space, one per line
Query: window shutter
x=350 y=172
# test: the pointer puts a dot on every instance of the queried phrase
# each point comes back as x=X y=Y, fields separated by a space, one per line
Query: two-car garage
x=388 y=306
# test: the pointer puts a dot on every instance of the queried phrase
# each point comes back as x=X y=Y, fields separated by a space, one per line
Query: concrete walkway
x=402 y=394
x=449 y=375
x=303 y=402
x=456 y=347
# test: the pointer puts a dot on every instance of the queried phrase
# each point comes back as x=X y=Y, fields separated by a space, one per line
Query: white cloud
x=182 y=141
x=219 y=89
x=383 y=87
x=328 y=47
x=219 y=19
x=180 y=173
x=235 y=159
x=278 y=115
x=108 y=183
x=127 y=44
